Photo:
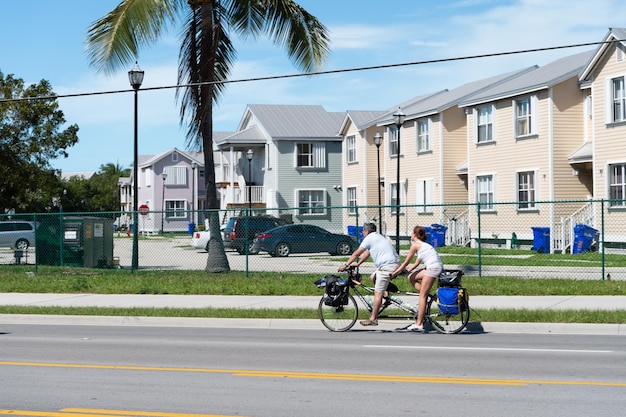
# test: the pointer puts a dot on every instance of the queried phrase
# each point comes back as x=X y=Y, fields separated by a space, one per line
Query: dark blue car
x=303 y=238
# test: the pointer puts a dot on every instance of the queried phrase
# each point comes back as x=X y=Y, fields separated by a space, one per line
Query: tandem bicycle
x=447 y=312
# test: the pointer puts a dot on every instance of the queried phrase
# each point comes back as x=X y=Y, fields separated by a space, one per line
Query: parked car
x=303 y=238
x=253 y=225
x=18 y=234
x=227 y=230
x=200 y=239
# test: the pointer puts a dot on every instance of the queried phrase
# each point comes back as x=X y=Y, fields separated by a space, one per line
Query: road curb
x=302 y=324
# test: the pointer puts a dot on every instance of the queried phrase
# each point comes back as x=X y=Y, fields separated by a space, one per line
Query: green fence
x=578 y=239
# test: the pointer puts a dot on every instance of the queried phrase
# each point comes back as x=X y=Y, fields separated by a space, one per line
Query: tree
x=30 y=136
x=100 y=193
x=205 y=60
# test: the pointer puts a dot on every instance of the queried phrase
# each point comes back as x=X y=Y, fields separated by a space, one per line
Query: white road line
x=487 y=349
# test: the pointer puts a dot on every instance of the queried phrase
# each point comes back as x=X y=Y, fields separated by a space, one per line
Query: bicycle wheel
x=338 y=319
x=445 y=322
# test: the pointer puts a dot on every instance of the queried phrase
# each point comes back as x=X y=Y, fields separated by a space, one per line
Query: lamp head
x=135 y=76
x=398 y=118
x=378 y=139
x=249 y=154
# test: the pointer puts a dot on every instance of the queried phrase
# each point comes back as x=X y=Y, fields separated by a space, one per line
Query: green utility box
x=85 y=241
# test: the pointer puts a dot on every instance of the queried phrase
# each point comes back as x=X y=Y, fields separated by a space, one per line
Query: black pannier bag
x=336 y=294
x=450 y=278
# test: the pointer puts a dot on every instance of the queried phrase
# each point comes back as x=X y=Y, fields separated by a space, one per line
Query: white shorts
x=382 y=277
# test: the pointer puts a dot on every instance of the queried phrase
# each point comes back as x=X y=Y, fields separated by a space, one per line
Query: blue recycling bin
x=352 y=231
x=583 y=238
x=541 y=239
x=436 y=235
x=191 y=227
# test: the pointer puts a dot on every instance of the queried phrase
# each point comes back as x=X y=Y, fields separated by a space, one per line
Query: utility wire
x=308 y=74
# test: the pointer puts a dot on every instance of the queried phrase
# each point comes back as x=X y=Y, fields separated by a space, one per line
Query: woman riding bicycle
x=424 y=278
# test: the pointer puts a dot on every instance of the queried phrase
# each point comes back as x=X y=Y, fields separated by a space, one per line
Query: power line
x=308 y=74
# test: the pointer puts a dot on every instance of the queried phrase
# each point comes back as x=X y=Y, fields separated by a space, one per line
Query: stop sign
x=143 y=209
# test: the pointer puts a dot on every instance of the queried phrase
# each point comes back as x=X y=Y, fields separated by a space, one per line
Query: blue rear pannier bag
x=448 y=300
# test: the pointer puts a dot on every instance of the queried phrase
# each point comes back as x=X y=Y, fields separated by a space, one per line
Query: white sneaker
x=415 y=328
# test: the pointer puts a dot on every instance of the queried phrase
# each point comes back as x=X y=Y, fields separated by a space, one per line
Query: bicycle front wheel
x=341 y=318
x=444 y=321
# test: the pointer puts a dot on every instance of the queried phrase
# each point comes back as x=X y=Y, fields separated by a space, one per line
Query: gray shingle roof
x=297 y=121
x=535 y=80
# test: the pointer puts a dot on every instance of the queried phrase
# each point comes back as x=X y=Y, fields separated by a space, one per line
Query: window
x=393 y=141
x=484 y=124
x=484 y=192
x=526 y=190
x=393 y=201
x=176 y=175
x=617 y=185
x=619 y=106
x=311 y=201
x=174 y=157
x=352 y=200
x=311 y=155
x=424 y=193
x=423 y=137
x=351 y=148
x=175 y=209
x=523 y=117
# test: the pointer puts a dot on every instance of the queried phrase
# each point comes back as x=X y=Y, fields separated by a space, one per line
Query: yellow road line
x=328 y=376
x=87 y=412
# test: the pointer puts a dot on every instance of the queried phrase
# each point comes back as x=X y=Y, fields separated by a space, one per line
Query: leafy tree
x=100 y=193
x=30 y=137
x=205 y=60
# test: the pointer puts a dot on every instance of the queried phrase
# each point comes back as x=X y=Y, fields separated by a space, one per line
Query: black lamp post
x=249 y=155
x=398 y=118
x=135 y=76
x=164 y=176
x=193 y=193
x=378 y=140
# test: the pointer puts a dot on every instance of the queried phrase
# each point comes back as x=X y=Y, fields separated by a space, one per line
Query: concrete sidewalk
x=477 y=303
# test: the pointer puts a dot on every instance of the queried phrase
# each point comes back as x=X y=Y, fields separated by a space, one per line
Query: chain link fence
x=578 y=239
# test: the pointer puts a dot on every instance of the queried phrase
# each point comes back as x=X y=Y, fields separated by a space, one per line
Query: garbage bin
x=352 y=231
x=541 y=239
x=436 y=235
x=191 y=227
x=583 y=238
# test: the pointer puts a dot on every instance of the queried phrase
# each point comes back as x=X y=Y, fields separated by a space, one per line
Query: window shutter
x=319 y=154
x=534 y=115
x=608 y=101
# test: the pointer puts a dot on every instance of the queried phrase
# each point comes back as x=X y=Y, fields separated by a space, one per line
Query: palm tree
x=205 y=60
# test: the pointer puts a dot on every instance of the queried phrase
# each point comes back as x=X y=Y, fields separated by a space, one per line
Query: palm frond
x=114 y=40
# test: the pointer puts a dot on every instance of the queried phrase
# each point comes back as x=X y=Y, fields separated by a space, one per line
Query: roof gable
x=614 y=34
x=295 y=121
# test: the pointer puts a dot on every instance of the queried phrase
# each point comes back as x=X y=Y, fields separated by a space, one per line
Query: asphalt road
x=108 y=371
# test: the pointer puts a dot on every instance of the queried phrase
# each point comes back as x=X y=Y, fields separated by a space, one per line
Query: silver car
x=18 y=234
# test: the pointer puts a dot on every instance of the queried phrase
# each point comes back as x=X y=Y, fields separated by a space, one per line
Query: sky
x=44 y=39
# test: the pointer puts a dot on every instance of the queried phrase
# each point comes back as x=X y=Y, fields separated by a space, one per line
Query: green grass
x=111 y=281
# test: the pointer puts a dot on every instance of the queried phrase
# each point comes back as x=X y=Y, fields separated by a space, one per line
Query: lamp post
x=194 y=165
x=164 y=176
x=249 y=155
x=378 y=140
x=135 y=76
x=398 y=118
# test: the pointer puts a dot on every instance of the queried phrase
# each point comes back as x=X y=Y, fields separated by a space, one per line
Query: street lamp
x=378 y=140
x=249 y=155
x=398 y=118
x=194 y=164
x=135 y=76
x=164 y=176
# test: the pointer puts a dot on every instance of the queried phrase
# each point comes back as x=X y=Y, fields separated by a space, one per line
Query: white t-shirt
x=380 y=249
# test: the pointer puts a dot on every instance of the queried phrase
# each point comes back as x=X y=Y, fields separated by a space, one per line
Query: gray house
x=286 y=160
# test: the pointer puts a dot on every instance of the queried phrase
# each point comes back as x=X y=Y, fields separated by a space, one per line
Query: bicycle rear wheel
x=338 y=319
x=447 y=323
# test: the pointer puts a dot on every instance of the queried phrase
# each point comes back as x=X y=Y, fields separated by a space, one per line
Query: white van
x=18 y=234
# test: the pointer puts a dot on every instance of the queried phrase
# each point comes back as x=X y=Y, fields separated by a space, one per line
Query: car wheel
x=282 y=250
x=22 y=244
x=344 y=248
